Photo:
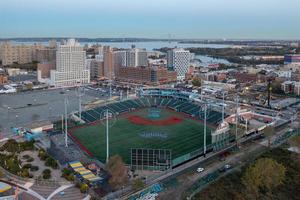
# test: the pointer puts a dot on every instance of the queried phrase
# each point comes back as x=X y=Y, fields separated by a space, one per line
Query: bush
x=83 y=188
x=138 y=184
x=25 y=173
x=50 y=162
x=46 y=174
x=26 y=157
x=27 y=145
x=30 y=159
x=27 y=166
x=43 y=154
x=12 y=164
x=11 y=146
x=70 y=177
x=47 y=171
x=34 y=168
x=66 y=172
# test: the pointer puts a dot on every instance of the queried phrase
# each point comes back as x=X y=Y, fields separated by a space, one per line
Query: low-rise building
x=146 y=75
x=291 y=87
x=44 y=71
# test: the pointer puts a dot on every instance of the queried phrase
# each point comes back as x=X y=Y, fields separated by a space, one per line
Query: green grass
x=182 y=138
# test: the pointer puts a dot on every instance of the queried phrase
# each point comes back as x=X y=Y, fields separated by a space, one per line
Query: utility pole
x=201 y=95
x=223 y=106
x=110 y=90
x=80 y=93
x=107 y=138
x=66 y=122
x=62 y=123
x=80 y=110
x=204 y=138
x=236 y=120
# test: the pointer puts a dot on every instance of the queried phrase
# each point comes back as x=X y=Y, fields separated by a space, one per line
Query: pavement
x=21 y=109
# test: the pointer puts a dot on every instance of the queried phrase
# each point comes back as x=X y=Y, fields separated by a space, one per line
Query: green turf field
x=181 y=138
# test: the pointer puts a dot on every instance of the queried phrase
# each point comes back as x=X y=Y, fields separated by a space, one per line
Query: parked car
x=200 y=169
x=225 y=168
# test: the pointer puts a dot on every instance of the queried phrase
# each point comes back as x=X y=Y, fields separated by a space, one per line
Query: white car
x=200 y=169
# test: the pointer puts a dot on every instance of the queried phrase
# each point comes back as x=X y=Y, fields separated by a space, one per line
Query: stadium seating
x=176 y=104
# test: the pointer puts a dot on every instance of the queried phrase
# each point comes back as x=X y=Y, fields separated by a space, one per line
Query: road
x=248 y=147
x=188 y=179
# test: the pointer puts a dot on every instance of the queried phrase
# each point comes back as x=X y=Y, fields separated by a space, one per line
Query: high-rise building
x=178 y=60
x=20 y=54
x=108 y=62
x=136 y=58
x=119 y=60
x=70 y=65
x=96 y=70
x=99 y=55
x=45 y=55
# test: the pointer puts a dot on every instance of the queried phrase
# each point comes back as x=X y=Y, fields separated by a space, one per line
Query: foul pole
x=107 y=138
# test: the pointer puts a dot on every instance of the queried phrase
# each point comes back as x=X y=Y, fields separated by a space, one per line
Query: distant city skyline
x=188 y=19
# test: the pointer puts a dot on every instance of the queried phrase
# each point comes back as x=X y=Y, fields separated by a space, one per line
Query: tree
x=83 y=188
x=295 y=141
x=46 y=174
x=269 y=131
x=276 y=88
x=117 y=170
x=262 y=177
x=138 y=184
x=197 y=81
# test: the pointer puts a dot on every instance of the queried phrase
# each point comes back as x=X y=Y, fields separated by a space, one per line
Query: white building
x=178 y=60
x=100 y=55
x=70 y=66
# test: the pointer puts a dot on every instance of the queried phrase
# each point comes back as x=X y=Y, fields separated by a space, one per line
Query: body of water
x=149 y=46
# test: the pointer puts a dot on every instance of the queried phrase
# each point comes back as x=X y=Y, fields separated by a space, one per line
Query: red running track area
x=164 y=122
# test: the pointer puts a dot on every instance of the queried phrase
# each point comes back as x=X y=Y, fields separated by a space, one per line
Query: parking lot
x=20 y=109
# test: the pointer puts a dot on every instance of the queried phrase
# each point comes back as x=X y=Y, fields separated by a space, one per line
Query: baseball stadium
x=162 y=127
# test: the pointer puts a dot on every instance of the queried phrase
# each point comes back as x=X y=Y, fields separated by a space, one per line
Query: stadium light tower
x=107 y=138
x=66 y=121
x=204 y=132
x=236 y=120
x=107 y=118
x=80 y=94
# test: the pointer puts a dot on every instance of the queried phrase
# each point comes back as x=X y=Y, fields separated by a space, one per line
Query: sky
x=190 y=19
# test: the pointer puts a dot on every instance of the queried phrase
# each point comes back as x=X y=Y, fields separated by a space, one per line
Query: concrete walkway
x=58 y=190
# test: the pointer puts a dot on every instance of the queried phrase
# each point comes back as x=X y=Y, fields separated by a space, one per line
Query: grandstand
x=180 y=105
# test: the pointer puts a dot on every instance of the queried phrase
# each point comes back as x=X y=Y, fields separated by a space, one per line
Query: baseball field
x=137 y=129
